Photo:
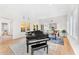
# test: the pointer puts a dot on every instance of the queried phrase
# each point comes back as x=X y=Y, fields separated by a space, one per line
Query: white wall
x=61 y=21
x=17 y=28
x=35 y=12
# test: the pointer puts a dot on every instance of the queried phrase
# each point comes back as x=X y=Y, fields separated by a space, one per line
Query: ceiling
x=34 y=11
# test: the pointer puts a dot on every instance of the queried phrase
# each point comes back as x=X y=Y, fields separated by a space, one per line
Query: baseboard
x=73 y=42
x=19 y=37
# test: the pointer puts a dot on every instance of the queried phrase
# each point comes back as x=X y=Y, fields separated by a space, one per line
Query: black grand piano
x=35 y=37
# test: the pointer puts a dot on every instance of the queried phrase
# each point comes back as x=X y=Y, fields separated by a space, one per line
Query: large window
x=71 y=25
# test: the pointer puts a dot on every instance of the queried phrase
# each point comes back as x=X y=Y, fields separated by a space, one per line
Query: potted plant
x=64 y=33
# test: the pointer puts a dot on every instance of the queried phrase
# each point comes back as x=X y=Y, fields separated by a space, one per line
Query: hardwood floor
x=65 y=49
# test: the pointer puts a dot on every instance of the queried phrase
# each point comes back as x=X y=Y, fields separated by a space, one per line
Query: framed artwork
x=22 y=29
x=35 y=27
x=42 y=27
x=53 y=25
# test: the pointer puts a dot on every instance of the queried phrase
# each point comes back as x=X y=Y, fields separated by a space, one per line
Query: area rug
x=58 y=41
x=21 y=49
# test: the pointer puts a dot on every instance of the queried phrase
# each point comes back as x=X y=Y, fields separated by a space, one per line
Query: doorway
x=4 y=28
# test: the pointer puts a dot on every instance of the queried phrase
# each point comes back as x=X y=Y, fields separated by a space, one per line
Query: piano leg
x=46 y=42
x=27 y=46
x=47 y=49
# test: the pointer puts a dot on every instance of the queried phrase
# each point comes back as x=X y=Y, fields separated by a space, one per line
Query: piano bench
x=38 y=46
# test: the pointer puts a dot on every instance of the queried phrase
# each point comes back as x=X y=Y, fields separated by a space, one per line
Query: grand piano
x=35 y=37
